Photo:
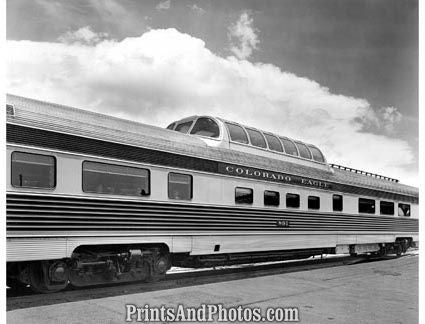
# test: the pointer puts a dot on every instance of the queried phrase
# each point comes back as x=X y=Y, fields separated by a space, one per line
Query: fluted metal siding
x=53 y=213
x=36 y=248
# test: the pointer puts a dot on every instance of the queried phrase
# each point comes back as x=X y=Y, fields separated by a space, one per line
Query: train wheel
x=405 y=245
x=48 y=276
x=161 y=265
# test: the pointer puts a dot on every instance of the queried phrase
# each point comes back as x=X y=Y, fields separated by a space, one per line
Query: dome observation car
x=228 y=134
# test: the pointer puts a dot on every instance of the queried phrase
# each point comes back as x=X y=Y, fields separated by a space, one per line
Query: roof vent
x=10 y=110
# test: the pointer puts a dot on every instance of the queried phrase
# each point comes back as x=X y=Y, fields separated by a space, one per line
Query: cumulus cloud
x=164 y=5
x=382 y=120
x=243 y=37
x=164 y=75
x=84 y=35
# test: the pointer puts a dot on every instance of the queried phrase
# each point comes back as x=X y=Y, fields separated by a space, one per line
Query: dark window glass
x=404 y=210
x=304 y=152
x=292 y=200
x=274 y=143
x=317 y=155
x=313 y=202
x=115 y=179
x=289 y=146
x=205 y=127
x=386 y=207
x=256 y=138
x=10 y=110
x=237 y=134
x=184 y=127
x=271 y=198
x=33 y=170
x=244 y=195
x=171 y=126
x=179 y=186
x=337 y=203
x=366 y=206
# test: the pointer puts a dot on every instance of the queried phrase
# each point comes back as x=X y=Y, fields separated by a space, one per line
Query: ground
x=373 y=292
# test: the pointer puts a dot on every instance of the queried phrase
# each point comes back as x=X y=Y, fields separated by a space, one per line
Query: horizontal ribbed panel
x=52 y=213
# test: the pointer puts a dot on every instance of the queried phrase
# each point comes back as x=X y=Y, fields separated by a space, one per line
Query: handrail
x=369 y=174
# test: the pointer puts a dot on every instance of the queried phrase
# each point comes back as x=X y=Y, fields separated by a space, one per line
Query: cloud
x=165 y=5
x=84 y=35
x=243 y=37
x=165 y=75
x=382 y=120
x=197 y=10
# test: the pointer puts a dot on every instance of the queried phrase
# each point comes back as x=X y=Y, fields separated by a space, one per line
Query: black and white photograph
x=211 y=161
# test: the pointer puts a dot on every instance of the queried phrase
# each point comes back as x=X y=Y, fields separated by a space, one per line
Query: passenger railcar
x=94 y=199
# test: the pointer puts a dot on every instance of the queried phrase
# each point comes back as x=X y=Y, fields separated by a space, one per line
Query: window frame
x=410 y=210
x=383 y=202
x=365 y=200
x=184 y=122
x=226 y=124
x=171 y=126
x=244 y=203
x=30 y=187
x=308 y=202
x=209 y=137
x=333 y=202
x=191 y=185
x=299 y=144
x=311 y=148
x=293 y=194
x=282 y=140
x=278 y=198
x=255 y=131
x=278 y=140
x=118 y=165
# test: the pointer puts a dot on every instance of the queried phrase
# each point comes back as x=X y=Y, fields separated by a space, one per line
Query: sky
x=342 y=75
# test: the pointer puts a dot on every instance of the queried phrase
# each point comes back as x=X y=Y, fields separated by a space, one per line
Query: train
x=94 y=199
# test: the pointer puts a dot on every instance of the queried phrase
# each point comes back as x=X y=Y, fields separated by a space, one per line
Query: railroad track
x=25 y=298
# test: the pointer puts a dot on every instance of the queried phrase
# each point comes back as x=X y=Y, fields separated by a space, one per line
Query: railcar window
x=244 y=195
x=274 y=143
x=317 y=155
x=115 y=179
x=10 y=110
x=366 y=206
x=33 y=170
x=171 y=126
x=289 y=146
x=184 y=127
x=256 y=138
x=237 y=134
x=404 y=210
x=386 y=208
x=179 y=186
x=271 y=198
x=205 y=127
x=337 y=202
x=292 y=200
x=304 y=152
x=313 y=202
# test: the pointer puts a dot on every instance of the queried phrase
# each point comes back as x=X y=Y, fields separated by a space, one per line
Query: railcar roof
x=54 y=117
